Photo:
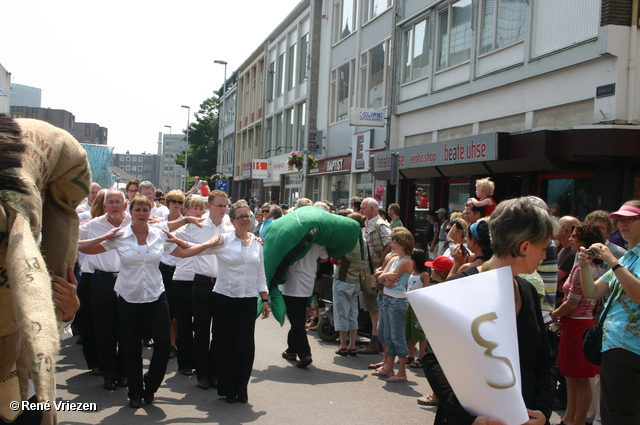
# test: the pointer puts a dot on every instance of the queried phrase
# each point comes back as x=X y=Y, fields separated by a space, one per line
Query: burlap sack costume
x=44 y=175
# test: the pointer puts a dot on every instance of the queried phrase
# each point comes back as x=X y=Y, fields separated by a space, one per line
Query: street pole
x=186 y=152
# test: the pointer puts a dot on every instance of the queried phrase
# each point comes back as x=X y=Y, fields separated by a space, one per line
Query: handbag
x=368 y=283
x=592 y=338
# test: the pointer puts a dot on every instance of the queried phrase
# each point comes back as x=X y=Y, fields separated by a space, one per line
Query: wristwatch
x=265 y=300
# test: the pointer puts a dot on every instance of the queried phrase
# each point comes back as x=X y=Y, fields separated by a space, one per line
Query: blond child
x=484 y=192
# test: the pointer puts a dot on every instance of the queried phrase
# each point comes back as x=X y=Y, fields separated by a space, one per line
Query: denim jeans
x=393 y=317
x=382 y=307
x=345 y=305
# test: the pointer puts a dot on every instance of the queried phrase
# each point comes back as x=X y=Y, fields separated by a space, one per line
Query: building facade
x=142 y=166
x=172 y=175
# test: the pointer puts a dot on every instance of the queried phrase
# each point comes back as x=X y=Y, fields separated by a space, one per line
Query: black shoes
x=231 y=399
x=243 y=398
x=173 y=353
x=109 y=384
x=203 y=384
x=135 y=403
x=148 y=397
x=304 y=362
x=122 y=382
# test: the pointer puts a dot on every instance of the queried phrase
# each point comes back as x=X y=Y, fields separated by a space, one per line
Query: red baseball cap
x=441 y=263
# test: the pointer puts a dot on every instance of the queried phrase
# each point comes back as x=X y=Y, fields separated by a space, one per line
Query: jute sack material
x=44 y=175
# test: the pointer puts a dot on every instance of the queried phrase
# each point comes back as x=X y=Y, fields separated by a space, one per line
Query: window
x=345 y=13
x=127 y=168
x=278 y=140
x=416 y=51
x=302 y=125
x=291 y=68
x=373 y=77
x=280 y=74
x=304 y=58
x=373 y=8
x=134 y=159
x=128 y=159
x=87 y=130
x=288 y=123
x=341 y=91
x=139 y=167
x=454 y=34
x=507 y=28
x=271 y=75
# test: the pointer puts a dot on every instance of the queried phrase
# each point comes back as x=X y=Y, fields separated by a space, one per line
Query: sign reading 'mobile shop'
x=460 y=151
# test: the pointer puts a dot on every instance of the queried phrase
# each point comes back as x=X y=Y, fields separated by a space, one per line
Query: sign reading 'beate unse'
x=469 y=149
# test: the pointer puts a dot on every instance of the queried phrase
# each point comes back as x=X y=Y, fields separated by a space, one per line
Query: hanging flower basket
x=217 y=176
x=296 y=159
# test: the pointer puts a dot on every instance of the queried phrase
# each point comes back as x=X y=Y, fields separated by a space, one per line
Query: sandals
x=342 y=352
x=417 y=363
x=428 y=400
x=353 y=352
x=375 y=365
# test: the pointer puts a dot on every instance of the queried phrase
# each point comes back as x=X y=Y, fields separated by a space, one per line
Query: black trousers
x=108 y=328
x=183 y=308
x=84 y=320
x=297 y=342
x=620 y=387
x=133 y=318
x=234 y=323
x=167 y=279
x=203 y=330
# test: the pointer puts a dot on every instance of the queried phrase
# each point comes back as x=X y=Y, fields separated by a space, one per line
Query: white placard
x=471 y=326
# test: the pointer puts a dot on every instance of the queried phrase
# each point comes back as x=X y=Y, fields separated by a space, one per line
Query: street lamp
x=186 y=152
x=224 y=87
x=169 y=128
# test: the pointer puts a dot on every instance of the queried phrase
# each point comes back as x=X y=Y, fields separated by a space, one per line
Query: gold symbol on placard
x=490 y=346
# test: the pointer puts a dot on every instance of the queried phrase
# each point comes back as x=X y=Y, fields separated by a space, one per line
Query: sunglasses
x=175 y=201
x=159 y=199
x=265 y=211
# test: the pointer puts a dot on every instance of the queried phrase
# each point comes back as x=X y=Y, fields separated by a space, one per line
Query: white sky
x=130 y=65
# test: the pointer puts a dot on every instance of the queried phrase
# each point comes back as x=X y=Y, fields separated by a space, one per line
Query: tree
x=203 y=147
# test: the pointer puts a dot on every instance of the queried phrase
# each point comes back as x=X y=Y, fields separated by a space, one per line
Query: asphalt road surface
x=333 y=389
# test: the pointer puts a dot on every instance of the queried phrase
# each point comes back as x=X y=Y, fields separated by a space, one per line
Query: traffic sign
x=222 y=185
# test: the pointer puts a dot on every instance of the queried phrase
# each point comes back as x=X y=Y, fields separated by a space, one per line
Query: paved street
x=332 y=389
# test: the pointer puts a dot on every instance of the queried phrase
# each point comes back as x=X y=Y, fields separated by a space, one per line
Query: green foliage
x=203 y=135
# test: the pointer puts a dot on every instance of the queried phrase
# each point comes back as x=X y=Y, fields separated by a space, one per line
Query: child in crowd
x=418 y=279
x=440 y=268
x=204 y=188
x=393 y=306
x=484 y=192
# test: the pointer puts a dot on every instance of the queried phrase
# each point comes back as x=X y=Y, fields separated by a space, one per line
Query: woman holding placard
x=520 y=233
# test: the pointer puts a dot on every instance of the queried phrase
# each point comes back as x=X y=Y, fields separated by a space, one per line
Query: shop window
x=339 y=187
x=568 y=196
x=458 y=196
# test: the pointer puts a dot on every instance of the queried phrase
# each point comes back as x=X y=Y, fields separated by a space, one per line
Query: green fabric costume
x=290 y=237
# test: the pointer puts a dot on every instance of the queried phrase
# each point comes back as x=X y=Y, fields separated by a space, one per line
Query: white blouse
x=240 y=268
x=139 y=280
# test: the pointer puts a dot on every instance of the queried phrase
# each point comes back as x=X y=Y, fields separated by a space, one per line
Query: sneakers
x=428 y=400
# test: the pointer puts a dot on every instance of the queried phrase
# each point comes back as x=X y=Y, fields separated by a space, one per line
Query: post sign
x=367 y=117
x=259 y=169
x=360 y=144
x=222 y=185
x=314 y=142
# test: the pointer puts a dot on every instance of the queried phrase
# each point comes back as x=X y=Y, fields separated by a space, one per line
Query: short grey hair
x=235 y=207
x=146 y=183
x=371 y=202
x=518 y=220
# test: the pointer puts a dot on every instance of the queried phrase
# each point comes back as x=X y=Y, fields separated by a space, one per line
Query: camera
x=591 y=253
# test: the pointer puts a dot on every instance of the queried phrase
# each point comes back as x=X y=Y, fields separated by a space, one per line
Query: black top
x=536 y=362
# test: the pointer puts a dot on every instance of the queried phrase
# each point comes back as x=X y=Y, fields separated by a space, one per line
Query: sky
x=130 y=65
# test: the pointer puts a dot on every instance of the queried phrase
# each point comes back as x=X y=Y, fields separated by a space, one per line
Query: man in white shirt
x=97 y=295
x=147 y=190
x=88 y=201
x=296 y=290
x=206 y=273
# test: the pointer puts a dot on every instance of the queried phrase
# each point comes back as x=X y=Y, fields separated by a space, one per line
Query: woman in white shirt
x=141 y=294
x=241 y=280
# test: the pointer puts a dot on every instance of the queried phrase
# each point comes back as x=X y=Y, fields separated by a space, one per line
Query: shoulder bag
x=592 y=338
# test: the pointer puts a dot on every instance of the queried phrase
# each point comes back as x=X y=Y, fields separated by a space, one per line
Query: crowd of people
x=203 y=276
